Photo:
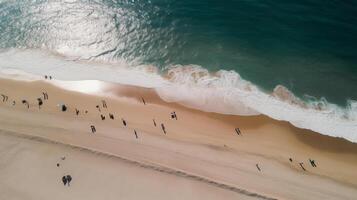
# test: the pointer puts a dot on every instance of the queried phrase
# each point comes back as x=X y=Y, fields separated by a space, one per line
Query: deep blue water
x=309 y=46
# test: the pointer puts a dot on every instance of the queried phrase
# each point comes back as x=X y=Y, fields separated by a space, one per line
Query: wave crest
x=194 y=86
x=226 y=92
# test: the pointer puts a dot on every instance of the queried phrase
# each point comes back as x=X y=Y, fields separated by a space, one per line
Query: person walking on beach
x=45 y=95
x=302 y=167
x=238 y=131
x=163 y=128
x=258 y=167
x=104 y=104
x=4 y=97
x=111 y=116
x=143 y=100
x=93 y=129
x=136 y=135
x=64 y=180
x=63 y=108
x=97 y=106
x=69 y=179
x=154 y=122
x=26 y=103
x=102 y=116
x=124 y=122
x=77 y=111
x=173 y=115
x=40 y=102
x=312 y=162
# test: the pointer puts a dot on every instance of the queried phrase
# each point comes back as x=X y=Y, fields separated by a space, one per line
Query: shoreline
x=224 y=92
x=200 y=143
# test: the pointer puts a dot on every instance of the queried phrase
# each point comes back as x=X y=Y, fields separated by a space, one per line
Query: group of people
x=162 y=126
x=40 y=100
x=67 y=179
x=238 y=131
x=64 y=108
x=4 y=97
x=173 y=115
x=48 y=77
x=301 y=164
x=124 y=122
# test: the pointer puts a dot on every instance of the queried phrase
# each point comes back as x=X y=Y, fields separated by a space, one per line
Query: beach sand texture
x=200 y=157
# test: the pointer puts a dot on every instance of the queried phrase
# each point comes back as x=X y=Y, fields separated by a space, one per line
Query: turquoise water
x=310 y=47
x=290 y=60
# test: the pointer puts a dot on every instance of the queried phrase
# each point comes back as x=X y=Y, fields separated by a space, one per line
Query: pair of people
x=104 y=103
x=238 y=131
x=173 y=115
x=93 y=129
x=111 y=116
x=67 y=180
x=4 y=97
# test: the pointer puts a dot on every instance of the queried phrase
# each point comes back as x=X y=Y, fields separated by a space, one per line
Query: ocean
x=290 y=60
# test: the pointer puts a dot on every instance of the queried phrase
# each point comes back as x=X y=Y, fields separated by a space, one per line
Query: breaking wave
x=193 y=86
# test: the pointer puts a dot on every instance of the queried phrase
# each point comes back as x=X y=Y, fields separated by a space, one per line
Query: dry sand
x=200 y=157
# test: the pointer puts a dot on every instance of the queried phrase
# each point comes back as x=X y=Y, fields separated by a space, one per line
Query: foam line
x=192 y=86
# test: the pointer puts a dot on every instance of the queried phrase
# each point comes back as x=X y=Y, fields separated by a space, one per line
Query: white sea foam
x=40 y=63
x=226 y=92
x=193 y=86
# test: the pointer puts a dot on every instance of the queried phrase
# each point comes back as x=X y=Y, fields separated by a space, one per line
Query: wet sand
x=201 y=156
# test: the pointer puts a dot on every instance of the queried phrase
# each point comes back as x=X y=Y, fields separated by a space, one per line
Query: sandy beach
x=199 y=157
